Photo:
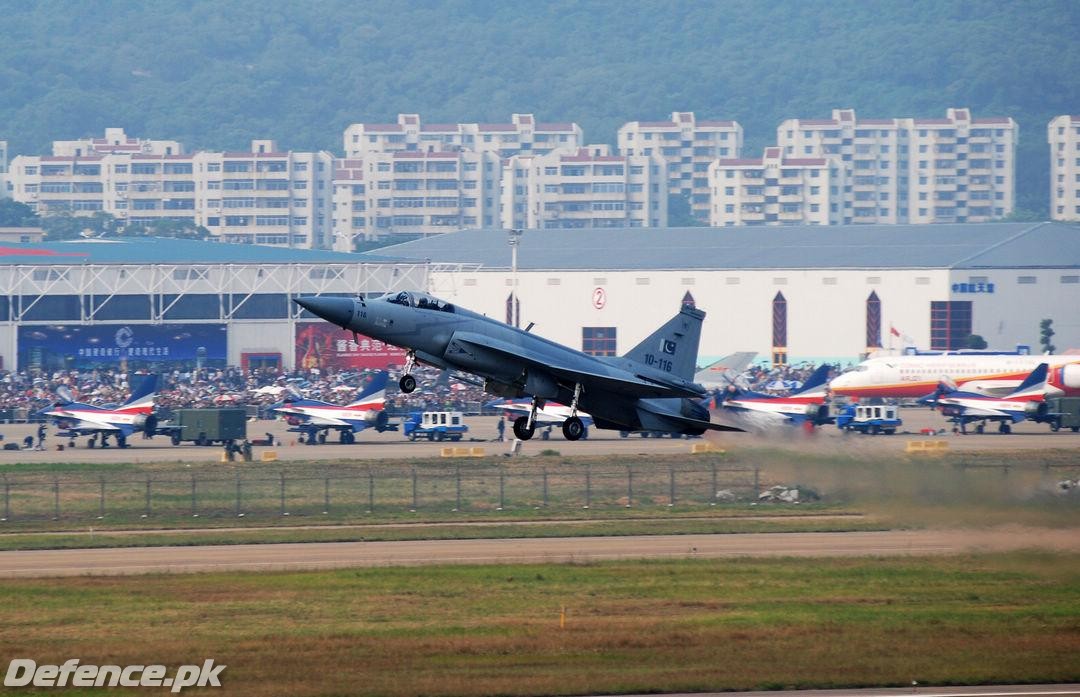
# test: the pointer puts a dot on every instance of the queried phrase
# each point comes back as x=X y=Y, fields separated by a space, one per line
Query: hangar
x=151 y=301
x=796 y=293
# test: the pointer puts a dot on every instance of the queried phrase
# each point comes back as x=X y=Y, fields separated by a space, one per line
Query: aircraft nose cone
x=337 y=311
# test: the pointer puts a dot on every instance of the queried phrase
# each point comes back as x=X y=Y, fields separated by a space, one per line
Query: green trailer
x=206 y=426
x=1066 y=412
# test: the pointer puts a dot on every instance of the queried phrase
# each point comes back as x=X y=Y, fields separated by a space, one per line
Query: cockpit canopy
x=421 y=301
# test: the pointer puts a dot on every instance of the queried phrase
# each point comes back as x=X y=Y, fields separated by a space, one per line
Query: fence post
x=413 y=509
x=671 y=486
x=194 y=500
x=457 y=479
x=147 y=513
x=101 y=502
x=629 y=486
x=588 y=486
x=281 y=476
x=238 y=495
x=545 y=487
x=326 y=496
x=502 y=489
x=713 y=497
x=56 y=499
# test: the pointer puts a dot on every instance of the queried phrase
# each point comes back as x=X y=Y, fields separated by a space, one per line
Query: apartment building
x=522 y=135
x=776 y=190
x=408 y=193
x=913 y=170
x=688 y=146
x=584 y=188
x=1063 y=134
x=265 y=196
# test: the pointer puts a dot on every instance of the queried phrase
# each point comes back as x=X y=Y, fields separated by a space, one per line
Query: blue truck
x=870 y=419
x=435 y=425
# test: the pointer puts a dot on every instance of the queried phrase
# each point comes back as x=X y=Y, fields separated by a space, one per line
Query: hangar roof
x=960 y=246
x=157 y=250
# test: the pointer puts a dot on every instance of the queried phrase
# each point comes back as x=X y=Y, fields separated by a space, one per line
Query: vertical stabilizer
x=675 y=344
x=142 y=397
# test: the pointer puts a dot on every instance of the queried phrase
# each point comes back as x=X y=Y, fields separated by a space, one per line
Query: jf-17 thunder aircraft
x=77 y=419
x=1028 y=401
x=648 y=389
x=314 y=418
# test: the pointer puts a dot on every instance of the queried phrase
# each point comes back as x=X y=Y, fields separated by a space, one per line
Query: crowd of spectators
x=216 y=387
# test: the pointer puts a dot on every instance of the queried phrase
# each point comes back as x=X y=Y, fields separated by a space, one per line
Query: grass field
x=630 y=626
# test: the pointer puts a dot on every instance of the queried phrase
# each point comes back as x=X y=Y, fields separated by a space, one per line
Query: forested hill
x=215 y=75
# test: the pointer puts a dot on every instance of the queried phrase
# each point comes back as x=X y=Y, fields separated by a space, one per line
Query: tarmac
x=482 y=433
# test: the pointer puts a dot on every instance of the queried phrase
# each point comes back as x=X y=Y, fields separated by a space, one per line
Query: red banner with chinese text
x=321 y=345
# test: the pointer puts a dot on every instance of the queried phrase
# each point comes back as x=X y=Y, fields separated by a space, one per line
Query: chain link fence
x=354 y=491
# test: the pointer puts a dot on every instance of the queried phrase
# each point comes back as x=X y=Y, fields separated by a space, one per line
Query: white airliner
x=917 y=376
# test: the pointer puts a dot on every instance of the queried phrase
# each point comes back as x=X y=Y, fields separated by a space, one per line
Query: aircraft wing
x=472 y=343
x=316 y=420
x=983 y=411
x=82 y=425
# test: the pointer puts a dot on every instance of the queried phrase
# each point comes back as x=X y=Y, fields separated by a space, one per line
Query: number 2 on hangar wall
x=599 y=298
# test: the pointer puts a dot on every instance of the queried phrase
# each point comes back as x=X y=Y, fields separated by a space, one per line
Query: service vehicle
x=435 y=425
x=870 y=419
x=206 y=426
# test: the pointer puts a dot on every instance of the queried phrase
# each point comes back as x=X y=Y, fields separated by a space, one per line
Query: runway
x=256 y=557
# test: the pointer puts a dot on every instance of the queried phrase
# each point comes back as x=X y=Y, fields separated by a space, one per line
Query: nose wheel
x=407 y=383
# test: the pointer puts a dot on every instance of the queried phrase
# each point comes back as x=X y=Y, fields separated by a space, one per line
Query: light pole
x=514 y=237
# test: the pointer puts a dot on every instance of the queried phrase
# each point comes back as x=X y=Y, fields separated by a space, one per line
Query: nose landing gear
x=407 y=383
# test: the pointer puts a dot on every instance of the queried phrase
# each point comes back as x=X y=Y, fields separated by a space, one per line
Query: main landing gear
x=407 y=383
x=573 y=428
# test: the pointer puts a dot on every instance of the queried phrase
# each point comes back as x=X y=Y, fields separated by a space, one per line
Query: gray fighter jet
x=651 y=388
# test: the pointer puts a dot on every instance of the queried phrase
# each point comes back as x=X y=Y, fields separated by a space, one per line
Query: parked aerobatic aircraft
x=915 y=376
x=314 y=418
x=724 y=371
x=78 y=419
x=763 y=412
x=1026 y=402
x=651 y=388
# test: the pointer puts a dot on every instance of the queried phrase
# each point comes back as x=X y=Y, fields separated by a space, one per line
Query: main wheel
x=175 y=439
x=980 y=428
x=522 y=429
x=1055 y=426
x=1004 y=428
x=572 y=428
x=407 y=383
x=322 y=437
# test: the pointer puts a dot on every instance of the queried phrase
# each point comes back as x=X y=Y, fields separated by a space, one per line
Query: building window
x=1026 y=280
x=779 y=329
x=950 y=324
x=598 y=341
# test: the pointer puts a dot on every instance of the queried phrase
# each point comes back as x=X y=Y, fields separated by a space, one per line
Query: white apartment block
x=522 y=135
x=413 y=193
x=116 y=141
x=264 y=196
x=584 y=188
x=688 y=146
x=907 y=170
x=1063 y=134
x=776 y=190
